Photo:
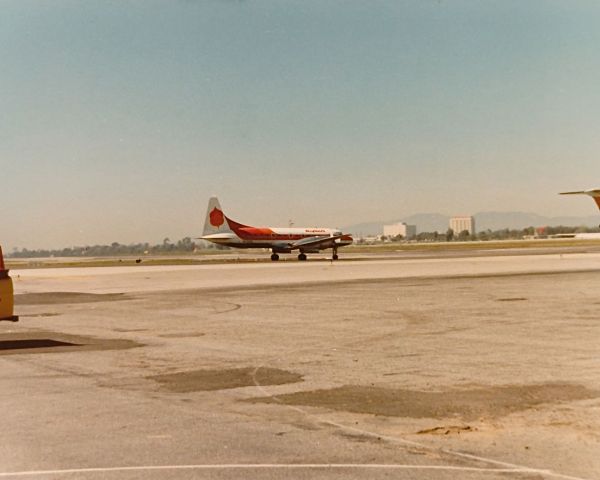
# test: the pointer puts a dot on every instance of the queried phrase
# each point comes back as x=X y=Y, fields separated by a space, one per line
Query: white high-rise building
x=460 y=224
x=407 y=231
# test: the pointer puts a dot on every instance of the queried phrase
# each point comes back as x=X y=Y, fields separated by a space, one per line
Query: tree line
x=185 y=245
x=502 y=234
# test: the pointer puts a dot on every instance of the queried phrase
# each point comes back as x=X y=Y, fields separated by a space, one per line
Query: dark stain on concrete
x=33 y=343
x=208 y=380
x=494 y=401
x=57 y=298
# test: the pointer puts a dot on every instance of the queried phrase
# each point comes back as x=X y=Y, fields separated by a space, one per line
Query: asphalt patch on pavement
x=465 y=404
x=209 y=380
x=54 y=342
x=56 y=298
x=33 y=343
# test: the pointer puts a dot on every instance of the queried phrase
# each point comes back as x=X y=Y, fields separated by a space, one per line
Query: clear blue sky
x=119 y=119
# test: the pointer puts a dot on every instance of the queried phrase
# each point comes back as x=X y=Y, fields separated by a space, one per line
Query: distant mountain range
x=430 y=222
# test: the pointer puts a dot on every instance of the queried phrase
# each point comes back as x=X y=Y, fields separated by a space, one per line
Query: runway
x=478 y=367
x=181 y=277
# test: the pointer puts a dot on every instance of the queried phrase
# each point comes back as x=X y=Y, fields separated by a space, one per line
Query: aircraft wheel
x=274 y=257
x=335 y=256
x=302 y=257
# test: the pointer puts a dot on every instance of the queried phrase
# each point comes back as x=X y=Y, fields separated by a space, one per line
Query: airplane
x=220 y=229
x=594 y=193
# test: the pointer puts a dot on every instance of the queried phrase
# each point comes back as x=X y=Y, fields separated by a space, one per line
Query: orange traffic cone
x=6 y=293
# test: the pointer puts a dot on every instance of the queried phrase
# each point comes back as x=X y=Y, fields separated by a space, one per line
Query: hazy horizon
x=425 y=222
x=119 y=120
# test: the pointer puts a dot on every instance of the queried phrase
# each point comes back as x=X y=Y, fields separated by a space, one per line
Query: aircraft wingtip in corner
x=593 y=192
x=220 y=229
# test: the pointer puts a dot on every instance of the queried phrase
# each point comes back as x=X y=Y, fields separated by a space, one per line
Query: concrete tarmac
x=180 y=277
x=479 y=368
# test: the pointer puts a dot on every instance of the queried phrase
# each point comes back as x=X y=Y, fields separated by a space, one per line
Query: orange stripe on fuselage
x=256 y=231
x=249 y=233
x=597 y=200
x=267 y=234
x=264 y=233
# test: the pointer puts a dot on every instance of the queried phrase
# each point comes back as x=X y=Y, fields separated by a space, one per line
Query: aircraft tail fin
x=215 y=221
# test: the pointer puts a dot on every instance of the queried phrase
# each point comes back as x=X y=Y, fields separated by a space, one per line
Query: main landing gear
x=302 y=256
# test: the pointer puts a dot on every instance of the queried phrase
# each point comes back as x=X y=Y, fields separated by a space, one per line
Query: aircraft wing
x=315 y=242
x=594 y=192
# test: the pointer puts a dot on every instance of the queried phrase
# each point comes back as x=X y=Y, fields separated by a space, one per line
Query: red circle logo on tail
x=216 y=217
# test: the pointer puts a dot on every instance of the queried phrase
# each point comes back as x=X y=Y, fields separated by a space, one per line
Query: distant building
x=370 y=240
x=460 y=224
x=407 y=231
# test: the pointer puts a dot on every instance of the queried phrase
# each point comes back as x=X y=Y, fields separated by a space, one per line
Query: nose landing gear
x=274 y=257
